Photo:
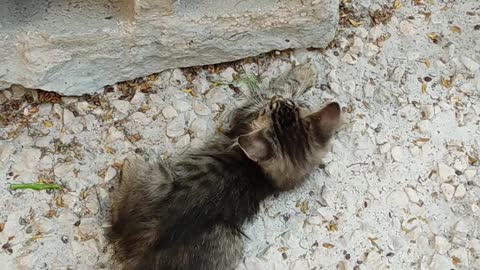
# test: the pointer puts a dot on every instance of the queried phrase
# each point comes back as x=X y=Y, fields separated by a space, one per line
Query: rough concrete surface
x=77 y=47
x=400 y=189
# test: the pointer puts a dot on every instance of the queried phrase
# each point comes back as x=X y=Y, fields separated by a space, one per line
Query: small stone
x=448 y=191
x=63 y=170
x=27 y=160
x=460 y=164
x=424 y=126
x=64 y=239
x=110 y=174
x=227 y=74
x=6 y=152
x=357 y=46
x=46 y=163
x=406 y=27
x=138 y=98
x=445 y=172
x=397 y=153
x=7 y=94
x=183 y=141
x=201 y=109
x=18 y=91
x=176 y=127
x=43 y=141
x=201 y=85
x=114 y=135
x=69 y=100
x=199 y=128
x=315 y=220
x=469 y=63
x=82 y=107
x=299 y=265
x=68 y=117
x=181 y=105
x=349 y=59
x=3 y=99
x=371 y=50
x=441 y=245
x=121 y=106
x=428 y=111
x=335 y=88
x=440 y=262
x=350 y=86
x=169 y=112
x=412 y=195
x=460 y=192
x=415 y=150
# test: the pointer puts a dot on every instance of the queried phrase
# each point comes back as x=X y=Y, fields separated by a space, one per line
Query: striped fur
x=188 y=214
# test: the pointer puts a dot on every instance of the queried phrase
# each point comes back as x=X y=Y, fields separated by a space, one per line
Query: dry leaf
x=51 y=213
x=456 y=29
x=328 y=245
x=108 y=150
x=37 y=236
x=421 y=140
x=2 y=226
x=135 y=137
x=47 y=124
x=433 y=37
x=472 y=160
x=108 y=115
x=455 y=260
x=332 y=227
x=446 y=82
x=303 y=206
x=190 y=92
x=354 y=23
x=397 y=4
x=426 y=62
x=283 y=249
x=424 y=87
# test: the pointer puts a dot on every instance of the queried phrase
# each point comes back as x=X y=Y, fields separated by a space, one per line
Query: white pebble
x=440 y=262
x=201 y=85
x=460 y=192
x=470 y=64
x=176 y=127
x=415 y=150
x=445 y=172
x=18 y=91
x=169 y=112
x=121 y=106
x=114 y=135
x=428 y=111
x=357 y=46
x=448 y=191
x=183 y=141
x=227 y=74
x=397 y=153
x=199 y=128
x=406 y=27
x=138 y=98
x=181 y=105
x=201 y=109
x=349 y=59
x=412 y=195
x=110 y=174
x=424 y=126
x=441 y=245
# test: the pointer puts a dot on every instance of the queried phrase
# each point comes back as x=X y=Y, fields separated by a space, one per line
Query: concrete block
x=78 y=46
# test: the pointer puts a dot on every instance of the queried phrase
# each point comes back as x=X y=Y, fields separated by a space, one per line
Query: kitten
x=188 y=214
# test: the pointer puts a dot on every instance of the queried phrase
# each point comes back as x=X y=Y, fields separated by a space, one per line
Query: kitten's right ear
x=326 y=121
x=255 y=146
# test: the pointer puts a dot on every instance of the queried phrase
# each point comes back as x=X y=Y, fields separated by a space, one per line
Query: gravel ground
x=400 y=189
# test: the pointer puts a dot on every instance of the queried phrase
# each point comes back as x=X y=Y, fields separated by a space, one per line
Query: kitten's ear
x=326 y=121
x=255 y=146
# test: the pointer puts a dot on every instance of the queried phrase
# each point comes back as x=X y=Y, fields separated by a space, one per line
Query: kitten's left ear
x=326 y=121
x=255 y=146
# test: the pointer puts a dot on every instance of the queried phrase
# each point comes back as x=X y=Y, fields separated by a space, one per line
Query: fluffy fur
x=188 y=214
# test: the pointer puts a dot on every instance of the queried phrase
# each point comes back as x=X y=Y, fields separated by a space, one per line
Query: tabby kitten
x=188 y=214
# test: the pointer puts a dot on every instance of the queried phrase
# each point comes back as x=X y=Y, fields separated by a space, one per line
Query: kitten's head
x=288 y=141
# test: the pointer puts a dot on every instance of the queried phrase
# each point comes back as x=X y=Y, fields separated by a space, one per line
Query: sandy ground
x=400 y=189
